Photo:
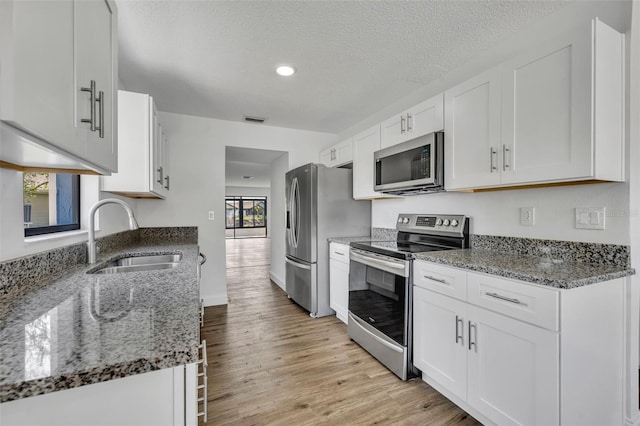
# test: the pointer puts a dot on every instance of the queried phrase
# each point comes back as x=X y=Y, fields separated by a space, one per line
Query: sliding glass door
x=246 y=217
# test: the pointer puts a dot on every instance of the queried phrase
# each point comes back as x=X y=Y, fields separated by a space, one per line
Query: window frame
x=75 y=197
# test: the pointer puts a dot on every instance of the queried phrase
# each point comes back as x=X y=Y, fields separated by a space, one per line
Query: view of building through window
x=246 y=217
x=51 y=202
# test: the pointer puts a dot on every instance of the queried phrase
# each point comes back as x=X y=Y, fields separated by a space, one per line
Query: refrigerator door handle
x=297 y=265
x=295 y=211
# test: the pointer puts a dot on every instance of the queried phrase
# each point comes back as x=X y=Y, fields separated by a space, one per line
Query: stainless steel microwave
x=412 y=167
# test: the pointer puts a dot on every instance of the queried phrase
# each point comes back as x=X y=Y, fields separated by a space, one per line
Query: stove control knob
x=446 y=222
x=399 y=219
x=454 y=222
x=439 y=222
x=405 y=220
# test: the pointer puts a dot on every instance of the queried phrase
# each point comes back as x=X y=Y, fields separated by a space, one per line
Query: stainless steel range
x=380 y=276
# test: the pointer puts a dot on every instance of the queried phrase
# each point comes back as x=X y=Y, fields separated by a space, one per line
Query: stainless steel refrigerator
x=320 y=205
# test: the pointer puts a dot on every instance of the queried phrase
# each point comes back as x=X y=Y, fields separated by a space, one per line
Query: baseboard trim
x=215 y=300
x=276 y=279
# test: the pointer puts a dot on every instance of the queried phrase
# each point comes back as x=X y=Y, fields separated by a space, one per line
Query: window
x=51 y=202
x=246 y=217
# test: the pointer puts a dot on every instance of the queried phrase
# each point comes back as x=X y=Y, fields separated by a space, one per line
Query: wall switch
x=590 y=217
x=528 y=216
x=212 y=215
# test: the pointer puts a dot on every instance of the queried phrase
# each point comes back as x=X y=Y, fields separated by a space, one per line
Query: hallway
x=270 y=363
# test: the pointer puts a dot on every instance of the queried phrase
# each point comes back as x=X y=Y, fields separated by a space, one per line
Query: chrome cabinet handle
x=492 y=153
x=92 y=99
x=160 y=170
x=459 y=326
x=100 y=102
x=204 y=387
x=168 y=182
x=339 y=253
x=409 y=122
x=429 y=277
x=507 y=299
x=201 y=312
x=204 y=258
x=473 y=341
x=402 y=125
x=505 y=157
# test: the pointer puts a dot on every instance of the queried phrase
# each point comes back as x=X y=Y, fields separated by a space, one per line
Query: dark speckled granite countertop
x=81 y=328
x=538 y=270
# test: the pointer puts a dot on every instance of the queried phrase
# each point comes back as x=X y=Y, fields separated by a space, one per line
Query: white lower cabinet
x=339 y=280
x=514 y=353
x=154 y=398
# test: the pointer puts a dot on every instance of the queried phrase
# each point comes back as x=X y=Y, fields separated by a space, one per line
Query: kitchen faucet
x=91 y=244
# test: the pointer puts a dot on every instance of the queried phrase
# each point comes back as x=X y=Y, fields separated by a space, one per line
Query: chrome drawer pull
x=458 y=335
x=507 y=299
x=429 y=277
x=338 y=253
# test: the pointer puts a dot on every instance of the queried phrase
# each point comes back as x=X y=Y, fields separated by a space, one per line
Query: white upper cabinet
x=424 y=118
x=338 y=155
x=364 y=145
x=51 y=51
x=143 y=155
x=563 y=103
x=472 y=132
x=552 y=114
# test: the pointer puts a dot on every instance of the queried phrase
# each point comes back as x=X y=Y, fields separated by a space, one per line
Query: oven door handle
x=374 y=262
x=363 y=326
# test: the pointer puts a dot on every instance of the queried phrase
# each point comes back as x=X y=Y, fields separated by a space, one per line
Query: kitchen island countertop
x=80 y=328
x=537 y=270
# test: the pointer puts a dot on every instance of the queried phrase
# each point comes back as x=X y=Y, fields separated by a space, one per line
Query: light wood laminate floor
x=270 y=363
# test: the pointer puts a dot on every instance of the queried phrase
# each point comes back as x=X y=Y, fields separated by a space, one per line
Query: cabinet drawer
x=535 y=305
x=441 y=279
x=339 y=252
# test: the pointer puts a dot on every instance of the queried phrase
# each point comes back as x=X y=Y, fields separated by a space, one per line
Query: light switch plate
x=212 y=215
x=590 y=217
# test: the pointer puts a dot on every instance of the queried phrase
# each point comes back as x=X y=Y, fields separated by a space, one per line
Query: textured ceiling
x=217 y=58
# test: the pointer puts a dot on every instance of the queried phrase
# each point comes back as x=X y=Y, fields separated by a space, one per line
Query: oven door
x=379 y=293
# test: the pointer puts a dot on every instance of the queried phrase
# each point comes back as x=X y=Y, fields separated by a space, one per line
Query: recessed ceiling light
x=285 y=70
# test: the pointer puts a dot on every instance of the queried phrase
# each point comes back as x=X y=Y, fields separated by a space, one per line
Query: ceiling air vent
x=251 y=119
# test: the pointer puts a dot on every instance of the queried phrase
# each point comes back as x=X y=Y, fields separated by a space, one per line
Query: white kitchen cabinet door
x=166 y=153
x=546 y=112
x=143 y=152
x=364 y=145
x=154 y=398
x=339 y=288
x=337 y=155
x=393 y=130
x=95 y=23
x=472 y=132
x=37 y=81
x=426 y=117
x=513 y=370
x=76 y=42
x=439 y=339
x=419 y=120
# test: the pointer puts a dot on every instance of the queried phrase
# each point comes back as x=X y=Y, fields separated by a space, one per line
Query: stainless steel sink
x=148 y=260
x=135 y=268
x=139 y=262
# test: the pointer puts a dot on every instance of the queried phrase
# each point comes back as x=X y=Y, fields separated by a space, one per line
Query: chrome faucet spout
x=91 y=244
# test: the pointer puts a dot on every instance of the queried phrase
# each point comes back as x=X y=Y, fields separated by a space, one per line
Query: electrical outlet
x=528 y=216
x=212 y=215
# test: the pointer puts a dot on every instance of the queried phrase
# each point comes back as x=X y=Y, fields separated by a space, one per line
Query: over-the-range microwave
x=412 y=167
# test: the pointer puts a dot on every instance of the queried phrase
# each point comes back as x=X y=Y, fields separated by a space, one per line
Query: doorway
x=246 y=217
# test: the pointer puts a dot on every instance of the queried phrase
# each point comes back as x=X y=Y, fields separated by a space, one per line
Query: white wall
x=251 y=191
x=198 y=182
x=110 y=219
x=498 y=213
x=279 y=167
